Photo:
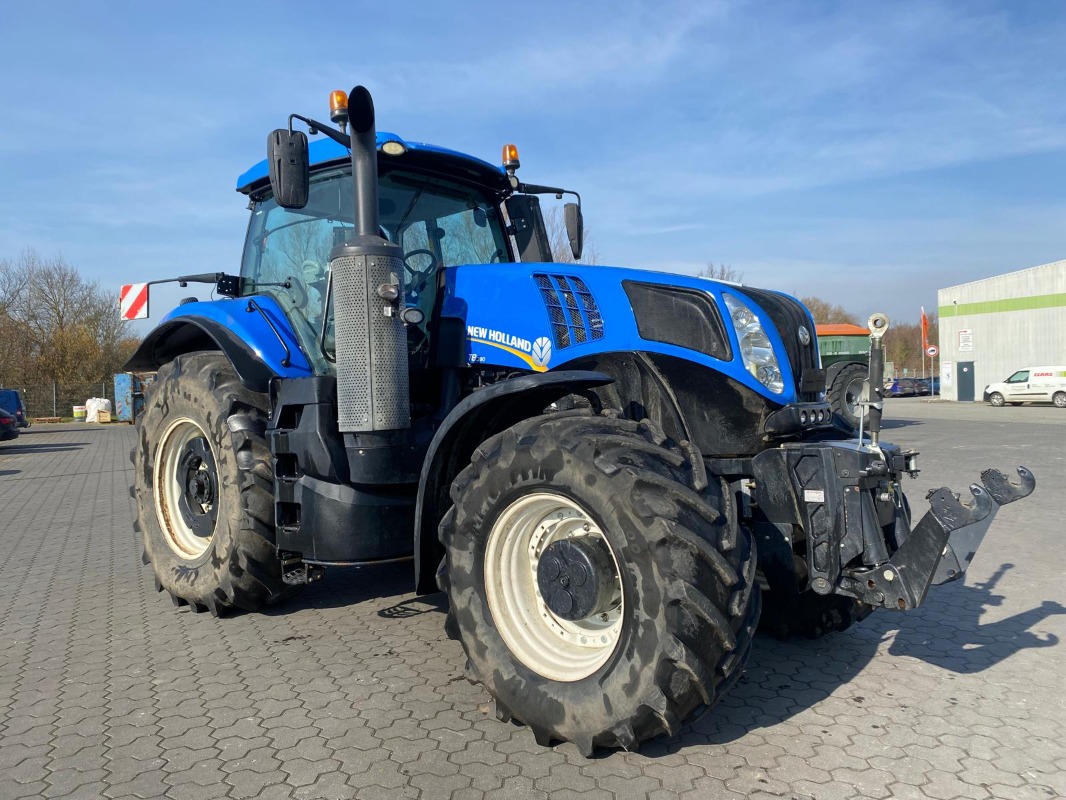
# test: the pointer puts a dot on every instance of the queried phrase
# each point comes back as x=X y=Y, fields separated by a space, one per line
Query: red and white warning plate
x=133 y=301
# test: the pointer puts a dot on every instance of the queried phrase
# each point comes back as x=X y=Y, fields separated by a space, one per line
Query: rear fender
x=479 y=416
x=253 y=332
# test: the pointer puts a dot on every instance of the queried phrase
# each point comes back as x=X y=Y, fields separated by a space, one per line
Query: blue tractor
x=610 y=472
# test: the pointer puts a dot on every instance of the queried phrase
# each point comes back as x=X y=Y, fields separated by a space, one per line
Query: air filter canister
x=372 y=376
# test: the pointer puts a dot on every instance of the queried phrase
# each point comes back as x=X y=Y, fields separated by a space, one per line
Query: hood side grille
x=572 y=310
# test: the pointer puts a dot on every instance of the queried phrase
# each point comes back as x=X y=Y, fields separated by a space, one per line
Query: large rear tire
x=203 y=484
x=845 y=392
x=673 y=579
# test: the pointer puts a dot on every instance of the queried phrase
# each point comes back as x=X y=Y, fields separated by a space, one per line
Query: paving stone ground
x=353 y=691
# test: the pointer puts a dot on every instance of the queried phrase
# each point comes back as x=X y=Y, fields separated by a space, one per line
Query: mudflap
x=940 y=547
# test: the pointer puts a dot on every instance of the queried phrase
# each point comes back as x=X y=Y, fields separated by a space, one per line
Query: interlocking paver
x=352 y=690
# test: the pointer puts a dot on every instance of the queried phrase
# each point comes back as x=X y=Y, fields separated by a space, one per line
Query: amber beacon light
x=338 y=108
x=510 y=158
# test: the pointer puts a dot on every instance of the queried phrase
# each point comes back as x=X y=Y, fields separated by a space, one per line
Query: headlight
x=755 y=348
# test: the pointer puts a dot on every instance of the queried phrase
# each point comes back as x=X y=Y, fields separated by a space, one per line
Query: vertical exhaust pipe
x=367 y=274
x=364 y=162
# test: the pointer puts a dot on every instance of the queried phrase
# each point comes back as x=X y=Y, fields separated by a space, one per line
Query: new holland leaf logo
x=542 y=351
x=537 y=354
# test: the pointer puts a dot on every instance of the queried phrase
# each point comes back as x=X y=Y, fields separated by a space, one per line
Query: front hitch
x=963 y=543
x=941 y=546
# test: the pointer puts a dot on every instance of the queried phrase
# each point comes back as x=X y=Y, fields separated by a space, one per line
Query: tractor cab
x=436 y=220
x=441 y=208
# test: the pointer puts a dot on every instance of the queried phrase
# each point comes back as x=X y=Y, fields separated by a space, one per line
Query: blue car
x=902 y=387
x=12 y=399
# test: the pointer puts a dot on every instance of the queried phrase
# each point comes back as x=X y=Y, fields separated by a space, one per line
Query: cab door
x=1017 y=387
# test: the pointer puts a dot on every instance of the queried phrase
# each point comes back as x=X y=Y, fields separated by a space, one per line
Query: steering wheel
x=420 y=273
x=420 y=276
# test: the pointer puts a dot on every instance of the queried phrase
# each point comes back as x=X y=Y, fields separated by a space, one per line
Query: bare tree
x=721 y=272
x=55 y=325
x=903 y=345
x=826 y=313
x=555 y=226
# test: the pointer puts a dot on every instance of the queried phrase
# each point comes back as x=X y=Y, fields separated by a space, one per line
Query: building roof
x=841 y=329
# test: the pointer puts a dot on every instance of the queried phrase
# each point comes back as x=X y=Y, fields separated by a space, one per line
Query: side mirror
x=288 y=165
x=575 y=228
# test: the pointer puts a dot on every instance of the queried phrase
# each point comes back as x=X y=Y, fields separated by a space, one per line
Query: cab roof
x=325 y=151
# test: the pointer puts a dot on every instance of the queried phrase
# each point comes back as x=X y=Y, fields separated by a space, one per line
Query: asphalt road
x=352 y=689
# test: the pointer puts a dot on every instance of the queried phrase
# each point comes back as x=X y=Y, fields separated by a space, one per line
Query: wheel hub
x=200 y=487
x=576 y=577
x=197 y=504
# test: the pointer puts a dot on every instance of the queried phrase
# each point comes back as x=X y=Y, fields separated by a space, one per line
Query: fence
x=59 y=399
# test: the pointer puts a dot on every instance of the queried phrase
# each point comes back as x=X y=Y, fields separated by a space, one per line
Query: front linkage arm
x=941 y=546
x=846 y=499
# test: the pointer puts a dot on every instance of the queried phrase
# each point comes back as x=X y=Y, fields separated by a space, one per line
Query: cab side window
x=1019 y=377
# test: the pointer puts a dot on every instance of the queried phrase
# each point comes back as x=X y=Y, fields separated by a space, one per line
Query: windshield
x=437 y=222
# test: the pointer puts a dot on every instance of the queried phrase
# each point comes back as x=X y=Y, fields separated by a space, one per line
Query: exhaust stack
x=368 y=291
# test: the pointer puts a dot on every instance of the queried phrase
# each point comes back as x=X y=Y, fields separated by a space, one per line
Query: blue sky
x=868 y=153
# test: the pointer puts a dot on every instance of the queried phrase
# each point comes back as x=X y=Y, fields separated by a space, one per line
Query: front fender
x=480 y=415
x=253 y=332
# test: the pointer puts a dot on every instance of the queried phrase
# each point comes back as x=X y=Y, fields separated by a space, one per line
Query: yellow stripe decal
x=524 y=356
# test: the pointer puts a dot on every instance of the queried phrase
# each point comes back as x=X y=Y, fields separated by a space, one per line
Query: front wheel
x=845 y=393
x=996 y=399
x=602 y=591
x=203 y=484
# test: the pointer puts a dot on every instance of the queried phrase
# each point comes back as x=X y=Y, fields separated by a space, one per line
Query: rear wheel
x=996 y=399
x=1059 y=399
x=203 y=484
x=602 y=591
x=845 y=393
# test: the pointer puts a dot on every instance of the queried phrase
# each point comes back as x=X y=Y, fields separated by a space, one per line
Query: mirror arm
x=228 y=285
x=534 y=188
x=314 y=126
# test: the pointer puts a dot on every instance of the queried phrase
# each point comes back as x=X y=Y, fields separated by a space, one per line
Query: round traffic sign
x=932 y=351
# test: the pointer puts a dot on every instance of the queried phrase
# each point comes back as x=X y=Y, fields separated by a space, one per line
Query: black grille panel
x=788 y=315
x=572 y=310
x=682 y=317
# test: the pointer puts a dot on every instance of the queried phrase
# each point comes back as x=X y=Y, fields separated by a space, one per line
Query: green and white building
x=992 y=327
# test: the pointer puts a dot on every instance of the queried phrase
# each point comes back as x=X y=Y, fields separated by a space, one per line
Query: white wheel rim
x=558 y=649
x=852 y=396
x=169 y=490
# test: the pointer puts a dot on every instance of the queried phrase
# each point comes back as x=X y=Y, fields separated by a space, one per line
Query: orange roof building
x=841 y=329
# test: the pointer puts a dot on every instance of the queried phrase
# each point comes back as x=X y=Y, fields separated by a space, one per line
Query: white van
x=1030 y=385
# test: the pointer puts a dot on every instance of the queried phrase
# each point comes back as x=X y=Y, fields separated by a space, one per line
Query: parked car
x=12 y=399
x=1030 y=385
x=9 y=428
x=902 y=387
x=923 y=386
